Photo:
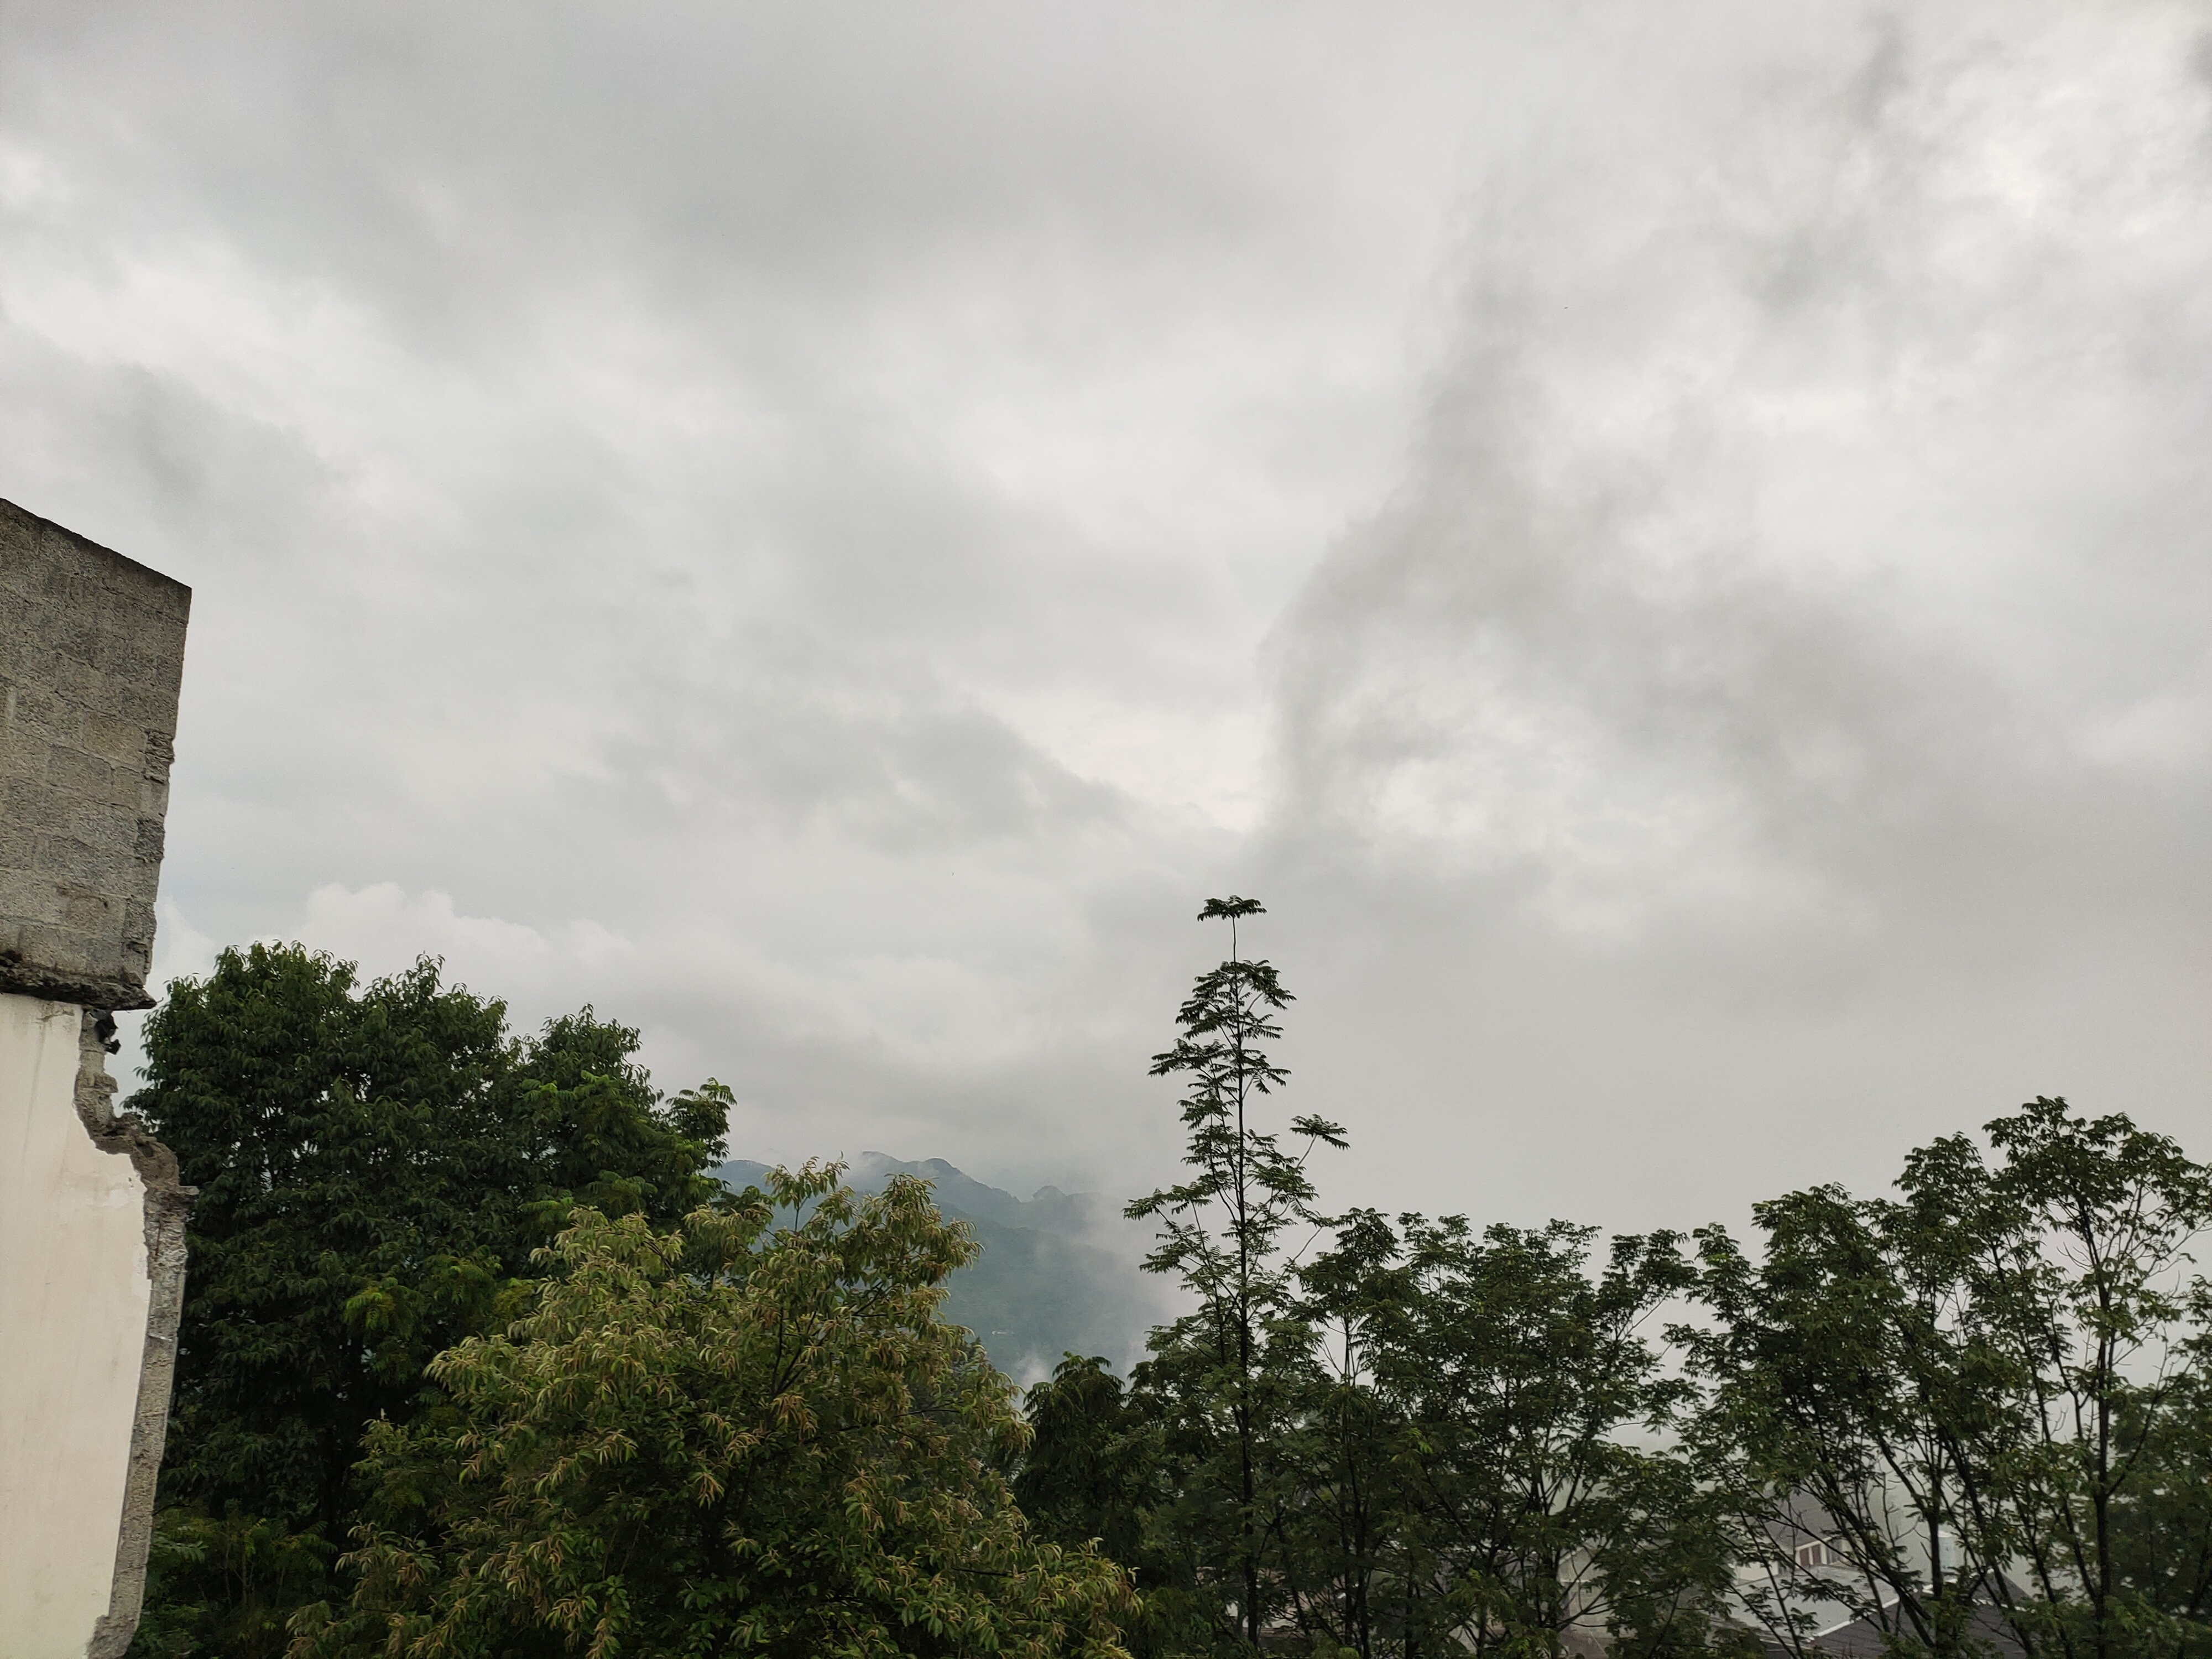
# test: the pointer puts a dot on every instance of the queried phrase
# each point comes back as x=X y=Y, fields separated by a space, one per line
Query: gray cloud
x=1668 y=546
x=1786 y=654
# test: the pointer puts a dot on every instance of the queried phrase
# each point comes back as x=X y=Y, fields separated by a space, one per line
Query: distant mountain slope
x=1057 y=1274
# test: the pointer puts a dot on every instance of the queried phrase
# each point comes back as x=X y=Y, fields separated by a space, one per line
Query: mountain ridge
x=1058 y=1271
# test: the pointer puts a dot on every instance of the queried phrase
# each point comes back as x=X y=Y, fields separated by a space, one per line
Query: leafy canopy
x=1983 y=1401
x=754 y=1436
x=376 y=1164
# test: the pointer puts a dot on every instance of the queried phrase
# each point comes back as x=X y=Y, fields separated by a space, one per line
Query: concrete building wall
x=92 y=1217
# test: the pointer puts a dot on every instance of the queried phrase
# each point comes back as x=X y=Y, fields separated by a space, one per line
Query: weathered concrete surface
x=91 y=1242
x=92 y=653
x=168 y=1203
x=92 y=1219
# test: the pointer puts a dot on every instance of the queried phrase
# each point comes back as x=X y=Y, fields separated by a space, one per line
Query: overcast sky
x=1671 y=545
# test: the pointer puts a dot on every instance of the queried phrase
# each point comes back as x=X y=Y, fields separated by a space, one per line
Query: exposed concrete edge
x=28 y=979
x=168 y=1203
x=19 y=511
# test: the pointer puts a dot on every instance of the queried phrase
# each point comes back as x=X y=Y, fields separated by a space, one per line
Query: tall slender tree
x=1221 y=1231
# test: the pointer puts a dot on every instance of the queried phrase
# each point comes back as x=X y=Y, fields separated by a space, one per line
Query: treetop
x=1231 y=908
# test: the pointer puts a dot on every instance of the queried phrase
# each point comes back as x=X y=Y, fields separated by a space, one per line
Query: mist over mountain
x=1058 y=1272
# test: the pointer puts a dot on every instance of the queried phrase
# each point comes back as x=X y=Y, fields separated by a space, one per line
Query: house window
x=1815 y=1554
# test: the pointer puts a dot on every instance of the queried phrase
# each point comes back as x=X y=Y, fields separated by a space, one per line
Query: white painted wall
x=74 y=1296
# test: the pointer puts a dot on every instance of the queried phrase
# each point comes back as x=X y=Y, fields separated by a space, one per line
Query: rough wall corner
x=92 y=667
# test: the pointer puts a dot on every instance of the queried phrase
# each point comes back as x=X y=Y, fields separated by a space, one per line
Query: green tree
x=1941 y=1411
x=1850 y=1379
x=375 y=1166
x=2089 y=1300
x=756 y=1436
x=2162 y=1523
x=1214 y=1373
x=1353 y=1563
x=1492 y=1470
x=1098 y=1469
x=1085 y=1475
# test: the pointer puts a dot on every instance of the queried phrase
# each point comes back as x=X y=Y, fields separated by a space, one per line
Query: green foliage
x=2161 y=1539
x=2087 y=1306
x=376 y=1164
x=602 y=1415
x=1215 y=1374
x=755 y=1437
x=1973 y=1398
x=1420 y=1441
x=1082 y=1476
x=1098 y=1469
x=1476 y=1450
